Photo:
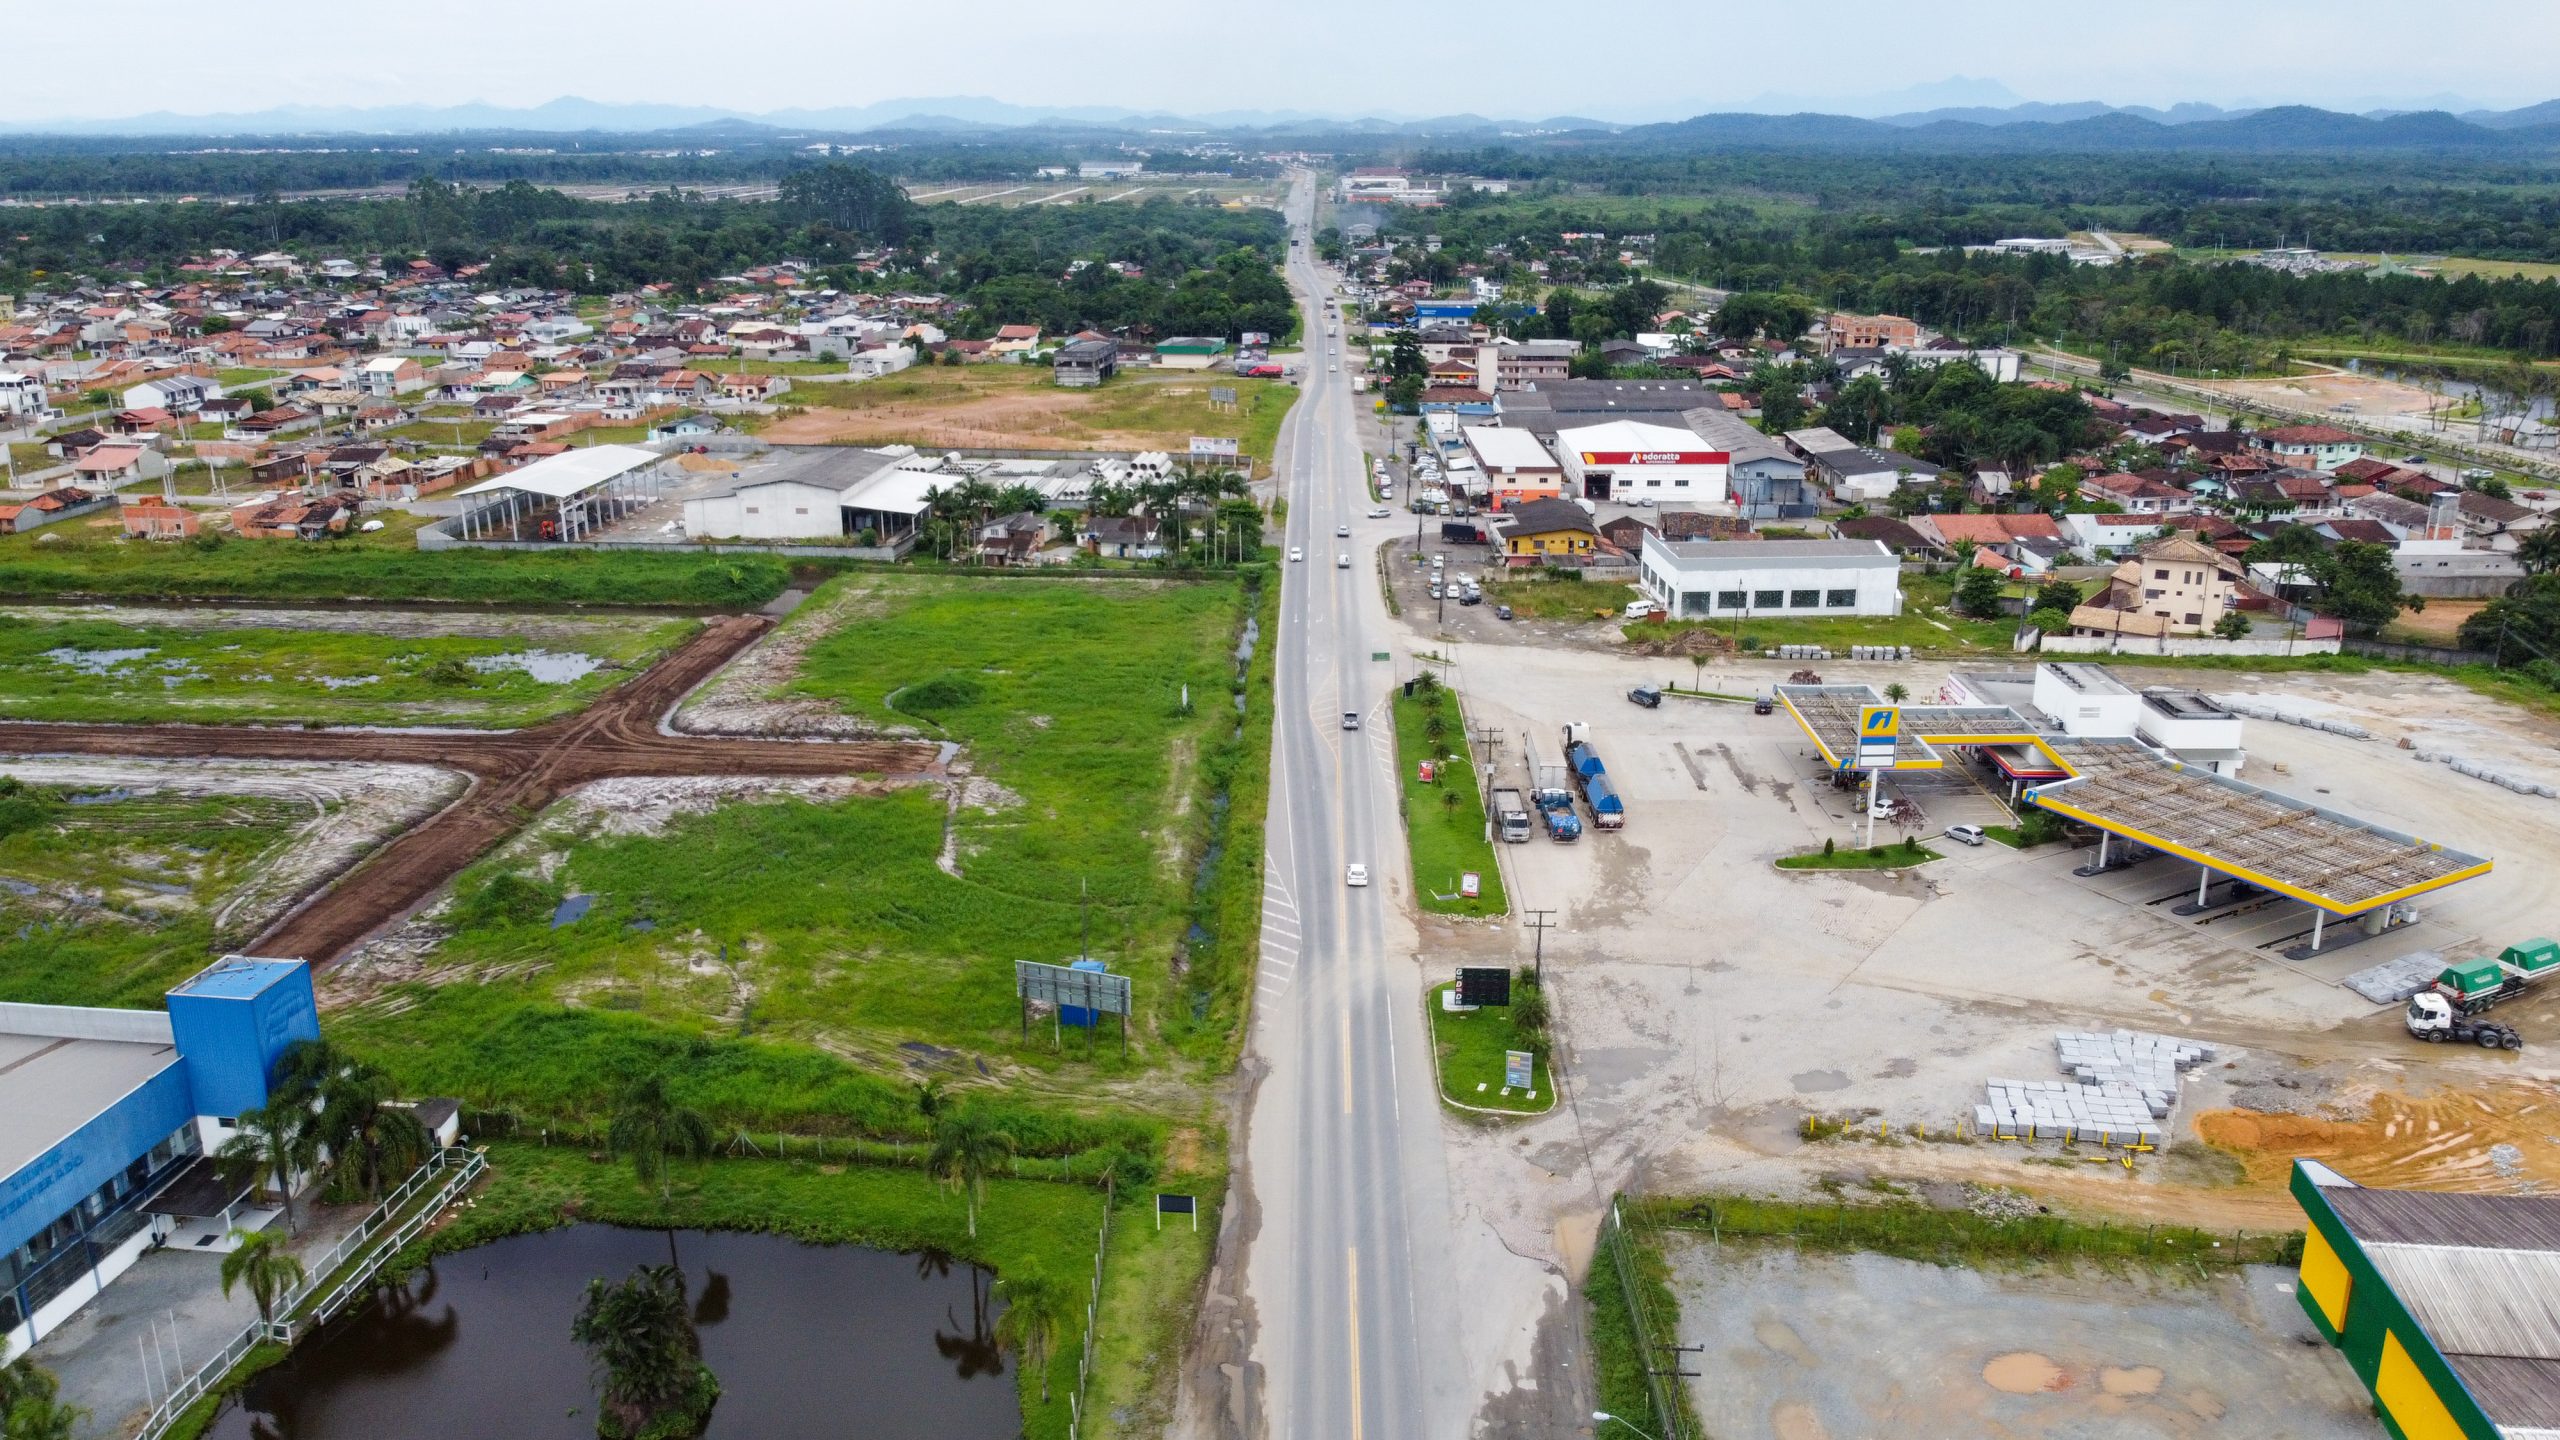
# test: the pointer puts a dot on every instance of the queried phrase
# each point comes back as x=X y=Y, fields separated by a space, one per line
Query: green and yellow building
x=2446 y=1306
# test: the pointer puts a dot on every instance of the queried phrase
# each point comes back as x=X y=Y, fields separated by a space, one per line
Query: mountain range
x=2024 y=125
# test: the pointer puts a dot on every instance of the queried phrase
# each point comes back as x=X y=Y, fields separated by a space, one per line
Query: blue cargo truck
x=1592 y=778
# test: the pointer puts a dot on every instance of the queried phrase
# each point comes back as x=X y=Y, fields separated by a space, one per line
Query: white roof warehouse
x=1703 y=579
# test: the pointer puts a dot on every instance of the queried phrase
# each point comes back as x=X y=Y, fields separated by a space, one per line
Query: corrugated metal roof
x=2427 y=1217
x=2478 y=1302
x=2521 y=1396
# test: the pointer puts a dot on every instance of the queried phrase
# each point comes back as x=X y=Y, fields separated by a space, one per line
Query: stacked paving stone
x=2124 y=1082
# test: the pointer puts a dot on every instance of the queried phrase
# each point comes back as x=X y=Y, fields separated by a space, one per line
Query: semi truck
x=1511 y=816
x=2475 y=985
x=1592 y=778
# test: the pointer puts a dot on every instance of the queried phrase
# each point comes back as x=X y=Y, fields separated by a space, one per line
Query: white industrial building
x=1628 y=460
x=2086 y=702
x=1741 y=579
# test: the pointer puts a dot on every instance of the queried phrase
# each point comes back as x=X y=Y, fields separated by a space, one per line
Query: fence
x=2420 y=654
x=1670 y=1417
x=1092 y=1314
x=445 y=1175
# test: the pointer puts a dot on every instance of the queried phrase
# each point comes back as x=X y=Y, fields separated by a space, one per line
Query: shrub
x=1875 y=852
x=507 y=898
x=1829 y=847
x=451 y=671
x=2050 y=621
x=947 y=691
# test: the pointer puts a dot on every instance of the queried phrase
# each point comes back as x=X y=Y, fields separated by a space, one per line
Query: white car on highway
x=1378 y=512
x=1356 y=874
x=1344 y=530
x=1342 y=561
x=1297 y=552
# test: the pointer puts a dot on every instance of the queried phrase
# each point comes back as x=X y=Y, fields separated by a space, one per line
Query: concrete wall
x=2179 y=645
x=438 y=537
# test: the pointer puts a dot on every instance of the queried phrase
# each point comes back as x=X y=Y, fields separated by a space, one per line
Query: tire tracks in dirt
x=514 y=775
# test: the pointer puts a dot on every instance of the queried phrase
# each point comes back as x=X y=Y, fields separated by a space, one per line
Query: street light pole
x=1604 y=1417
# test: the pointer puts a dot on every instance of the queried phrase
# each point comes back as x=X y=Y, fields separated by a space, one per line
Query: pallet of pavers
x=2147 y=1062
x=2099 y=1114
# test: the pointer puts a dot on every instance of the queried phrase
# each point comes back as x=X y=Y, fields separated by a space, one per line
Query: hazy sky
x=1613 y=59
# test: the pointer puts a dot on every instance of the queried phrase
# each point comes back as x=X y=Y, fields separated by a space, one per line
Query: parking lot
x=1710 y=1002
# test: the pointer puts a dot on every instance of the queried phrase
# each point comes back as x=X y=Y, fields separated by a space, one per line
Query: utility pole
x=1488 y=738
x=1540 y=921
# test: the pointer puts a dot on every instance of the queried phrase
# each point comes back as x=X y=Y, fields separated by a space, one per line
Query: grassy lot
x=1617 y=1353
x=124 y=890
x=1900 y=855
x=92 y=670
x=1913 y=1231
x=77 y=559
x=1560 y=599
x=1098 y=789
x=1444 y=820
x=1472 y=1046
x=1928 y=622
x=1021 y=405
x=233 y=381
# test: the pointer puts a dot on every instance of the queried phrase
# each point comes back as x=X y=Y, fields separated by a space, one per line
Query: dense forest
x=2154 y=311
x=1181 y=268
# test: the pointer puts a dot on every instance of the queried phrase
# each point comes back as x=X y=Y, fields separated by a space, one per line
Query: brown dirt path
x=514 y=775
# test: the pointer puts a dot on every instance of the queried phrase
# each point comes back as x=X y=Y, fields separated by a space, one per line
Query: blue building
x=108 y=1122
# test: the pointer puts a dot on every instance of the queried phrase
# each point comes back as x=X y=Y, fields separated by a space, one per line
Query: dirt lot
x=1709 y=1003
x=2370 y=395
x=1007 y=407
x=1826 y=1347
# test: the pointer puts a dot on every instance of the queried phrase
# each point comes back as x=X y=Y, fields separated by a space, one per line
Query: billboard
x=1484 y=985
x=1068 y=986
x=1255 y=337
x=1657 y=457
x=1879 y=733
x=1212 y=447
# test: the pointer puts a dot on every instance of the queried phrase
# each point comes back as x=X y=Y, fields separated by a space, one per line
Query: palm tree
x=278 y=1141
x=1897 y=692
x=259 y=1260
x=651 y=1128
x=372 y=1143
x=29 y=1405
x=647 y=1355
x=1035 y=1310
x=2539 y=551
x=965 y=1151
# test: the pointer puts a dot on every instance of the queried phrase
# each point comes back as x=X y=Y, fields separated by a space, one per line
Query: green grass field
x=1067 y=699
x=1444 y=820
x=1560 y=600
x=73 y=559
x=1473 y=1046
x=113 y=900
x=99 y=671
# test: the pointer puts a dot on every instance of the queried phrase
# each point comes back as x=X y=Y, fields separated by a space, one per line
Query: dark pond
x=808 y=1341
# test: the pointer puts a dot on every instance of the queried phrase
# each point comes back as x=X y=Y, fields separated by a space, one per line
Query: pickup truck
x=1563 y=826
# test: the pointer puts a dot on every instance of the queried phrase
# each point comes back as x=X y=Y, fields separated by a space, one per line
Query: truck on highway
x=1511 y=816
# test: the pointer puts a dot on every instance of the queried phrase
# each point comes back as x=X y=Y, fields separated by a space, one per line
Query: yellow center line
x=1354 y=1257
x=1346 y=1059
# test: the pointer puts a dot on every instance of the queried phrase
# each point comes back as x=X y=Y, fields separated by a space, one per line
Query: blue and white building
x=109 y=1120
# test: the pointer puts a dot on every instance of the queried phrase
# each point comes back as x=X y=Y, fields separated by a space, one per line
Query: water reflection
x=803 y=1337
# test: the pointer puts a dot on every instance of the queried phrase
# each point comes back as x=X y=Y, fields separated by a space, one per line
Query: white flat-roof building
x=1629 y=460
x=1776 y=579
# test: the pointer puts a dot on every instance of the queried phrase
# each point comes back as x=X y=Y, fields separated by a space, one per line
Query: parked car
x=1762 y=705
x=1470 y=597
x=1965 y=834
x=1501 y=612
x=1647 y=696
x=1642 y=609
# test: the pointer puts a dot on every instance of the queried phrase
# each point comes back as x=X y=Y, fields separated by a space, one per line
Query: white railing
x=445 y=1175
x=1092 y=1311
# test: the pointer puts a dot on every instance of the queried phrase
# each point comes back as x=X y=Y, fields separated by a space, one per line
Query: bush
x=947 y=691
x=507 y=898
x=1829 y=847
x=2051 y=622
x=1875 y=852
x=451 y=671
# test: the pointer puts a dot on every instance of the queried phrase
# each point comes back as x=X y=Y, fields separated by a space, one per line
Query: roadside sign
x=1469 y=884
x=1222 y=394
x=1178 y=1205
x=1484 y=985
x=1213 y=447
x=1518 y=1069
x=1879 y=733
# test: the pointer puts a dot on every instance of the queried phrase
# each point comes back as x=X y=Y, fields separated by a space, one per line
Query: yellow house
x=1548 y=527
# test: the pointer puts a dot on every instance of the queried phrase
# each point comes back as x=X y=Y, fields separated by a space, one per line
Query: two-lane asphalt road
x=1349 y=1276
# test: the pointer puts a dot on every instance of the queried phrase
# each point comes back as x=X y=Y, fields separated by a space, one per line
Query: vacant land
x=84 y=560
x=868 y=922
x=1560 y=600
x=1444 y=819
x=118 y=880
x=1000 y=407
x=1803 y=1345
x=127 y=668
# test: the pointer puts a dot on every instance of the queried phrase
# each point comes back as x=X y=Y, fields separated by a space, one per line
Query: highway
x=1348 y=1277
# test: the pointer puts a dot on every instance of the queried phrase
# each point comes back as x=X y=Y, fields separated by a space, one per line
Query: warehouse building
x=108 y=1120
x=1629 y=460
x=1740 y=579
x=2446 y=1306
